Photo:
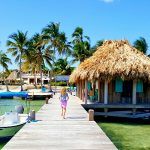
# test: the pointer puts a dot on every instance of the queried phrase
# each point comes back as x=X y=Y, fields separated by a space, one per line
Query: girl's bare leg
x=61 y=111
x=64 y=113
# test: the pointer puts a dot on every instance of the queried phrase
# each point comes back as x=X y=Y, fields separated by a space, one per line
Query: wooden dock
x=40 y=95
x=51 y=131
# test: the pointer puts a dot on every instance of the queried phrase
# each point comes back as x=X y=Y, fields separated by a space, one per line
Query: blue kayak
x=13 y=94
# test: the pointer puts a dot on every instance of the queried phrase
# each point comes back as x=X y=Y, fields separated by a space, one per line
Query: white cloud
x=107 y=1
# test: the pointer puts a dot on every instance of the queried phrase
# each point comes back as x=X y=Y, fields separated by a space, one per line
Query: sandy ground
x=16 y=88
x=11 y=87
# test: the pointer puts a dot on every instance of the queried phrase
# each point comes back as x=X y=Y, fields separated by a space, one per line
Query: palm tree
x=81 y=45
x=98 y=43
x=57 y=39
x=41 y=53
x=18 y=47
x=52 y=31
x=4 y=60
x=141 y=45
x=64 y=47
x=30 y=64
x=63 y=67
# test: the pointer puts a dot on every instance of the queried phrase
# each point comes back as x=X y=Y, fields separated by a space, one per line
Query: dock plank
x=51 y=131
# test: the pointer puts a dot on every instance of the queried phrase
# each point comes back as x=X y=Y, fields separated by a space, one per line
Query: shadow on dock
x=75 y=117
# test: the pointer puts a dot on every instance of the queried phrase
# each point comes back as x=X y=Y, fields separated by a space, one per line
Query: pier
x=51 y=131
x=39 y=95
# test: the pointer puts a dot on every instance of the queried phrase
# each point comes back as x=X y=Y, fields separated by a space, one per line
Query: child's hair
x=63 y=91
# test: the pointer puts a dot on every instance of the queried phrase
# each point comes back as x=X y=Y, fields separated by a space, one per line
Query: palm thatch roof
x=114 y=59
x=13 y=75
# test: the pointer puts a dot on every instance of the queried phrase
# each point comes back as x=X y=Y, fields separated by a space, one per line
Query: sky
x=100 y=19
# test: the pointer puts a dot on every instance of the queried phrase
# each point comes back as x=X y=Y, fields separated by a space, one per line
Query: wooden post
x=77 y=89
x=86 y=92
x=99 y=90
x=105 y=110
x=46 y=100
x=106 y=92
x=80 y=89
x=83 y=90
x=134 y=93
x=91 y=115
x=32 y=115
x=133 y=111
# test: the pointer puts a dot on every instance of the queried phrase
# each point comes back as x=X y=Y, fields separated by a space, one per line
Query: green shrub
x=60 y=83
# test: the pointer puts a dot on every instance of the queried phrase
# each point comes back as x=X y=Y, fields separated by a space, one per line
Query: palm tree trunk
x=41 y=75
x=7 y=88
x=5 y=82
x=3 y=76
x=49 y=74
x=35 y=79
x=20 y=73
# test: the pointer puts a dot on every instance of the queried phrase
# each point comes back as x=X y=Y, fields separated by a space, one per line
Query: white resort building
x=30 y=78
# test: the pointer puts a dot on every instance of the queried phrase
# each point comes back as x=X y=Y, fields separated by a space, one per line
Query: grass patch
x=34 y=105
x=2 y=145
x=128 y=136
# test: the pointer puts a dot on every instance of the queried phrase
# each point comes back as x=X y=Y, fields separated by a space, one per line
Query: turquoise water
x=7 y=105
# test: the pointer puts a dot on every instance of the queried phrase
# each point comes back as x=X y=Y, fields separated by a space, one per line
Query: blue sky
x=100 y=19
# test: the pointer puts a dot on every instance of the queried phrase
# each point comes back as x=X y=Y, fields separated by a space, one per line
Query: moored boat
x=11 y=123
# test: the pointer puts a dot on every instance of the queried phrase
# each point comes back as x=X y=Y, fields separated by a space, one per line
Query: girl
x=63 y=100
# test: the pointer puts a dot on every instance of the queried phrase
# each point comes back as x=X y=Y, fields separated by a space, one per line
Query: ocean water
x=7 y=105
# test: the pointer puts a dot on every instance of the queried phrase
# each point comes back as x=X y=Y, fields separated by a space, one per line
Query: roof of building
x=62 y=78
x=13 y=75
x=114 y=59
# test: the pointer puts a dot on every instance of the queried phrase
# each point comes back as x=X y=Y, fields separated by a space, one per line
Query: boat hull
x=8 y=132
x=8 y=128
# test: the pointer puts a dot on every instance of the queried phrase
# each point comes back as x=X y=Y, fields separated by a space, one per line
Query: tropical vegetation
x=62 y=67
x=17 y=44
x=4 y=61
x=81 y=45
x=40 y=53
x=50 y=51
x=141 y=45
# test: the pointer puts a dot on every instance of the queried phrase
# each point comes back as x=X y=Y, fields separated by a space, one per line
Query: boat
x=23 y=94
x=11 y=123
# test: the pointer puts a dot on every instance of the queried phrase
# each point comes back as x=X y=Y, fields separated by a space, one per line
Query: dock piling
x=46 y=100
x=32 y=115
x=91 y=115
x=133 y=111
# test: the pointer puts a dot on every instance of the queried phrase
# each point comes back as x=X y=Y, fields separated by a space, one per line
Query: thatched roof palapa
x=114 y=59
x=13 y=75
